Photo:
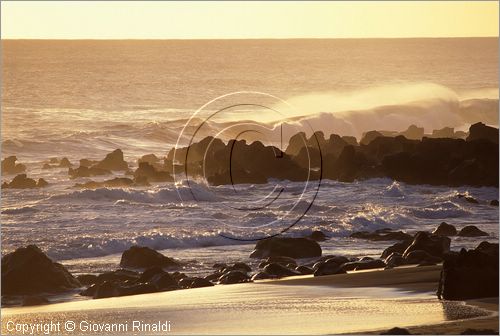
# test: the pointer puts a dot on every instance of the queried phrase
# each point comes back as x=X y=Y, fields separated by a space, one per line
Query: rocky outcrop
x=84 y=171
x=21 y=181
x=144 y=257
x=113 y=161
x=480 y=131
x=9 y=166
x=445 y=229
x=150 y=173
x=472 y=231
x=434 y=245
x=28 y=270
x=287 y=247
x=470 y=274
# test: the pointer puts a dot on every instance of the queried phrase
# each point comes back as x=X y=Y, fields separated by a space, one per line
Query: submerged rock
x=28 y=270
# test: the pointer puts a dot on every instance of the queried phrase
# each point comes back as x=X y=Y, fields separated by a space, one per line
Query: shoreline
x=300 y=305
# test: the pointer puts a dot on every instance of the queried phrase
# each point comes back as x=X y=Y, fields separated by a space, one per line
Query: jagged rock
x=143 y=257
x=434 y=245
x=113 y=161
x=9 y=166
x=369 y=137
x=65 y=163
x=21 y=181
x=413 y=133
x=398 y=248
x=84 y=171
x=28 y=270
x=150 y=173
x=470 y=274
x=445 y=229
x=287 y=247
x=472 y=231
x=480 y=131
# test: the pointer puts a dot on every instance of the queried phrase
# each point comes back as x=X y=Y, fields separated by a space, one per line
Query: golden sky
x=189 y=20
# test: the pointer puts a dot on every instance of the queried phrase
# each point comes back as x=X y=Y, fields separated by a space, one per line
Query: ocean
x=83 y=99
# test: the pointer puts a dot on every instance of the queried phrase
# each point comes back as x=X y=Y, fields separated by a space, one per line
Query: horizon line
x=240 y=39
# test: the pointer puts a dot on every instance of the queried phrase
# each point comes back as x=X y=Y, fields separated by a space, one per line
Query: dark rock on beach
x=480 y=131
x=433 y=245
x=233 y=277
x=28 y=270
x=279 y=270
x=287 y=247
x=494 y=203
x=144 y=257
x=470 y=274
x=472 y=231
x=396 y=331
x=328 y=267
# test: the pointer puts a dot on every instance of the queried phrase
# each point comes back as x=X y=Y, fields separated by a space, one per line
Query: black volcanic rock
x=471 y=231
x=445 y=229
x=28 y=270
x=480 y=131
x=470 y=274
x=396 y=248
x=279 y=270
x=286 y=247
x=144 y=257
x=434 y=245
x=9 y=166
